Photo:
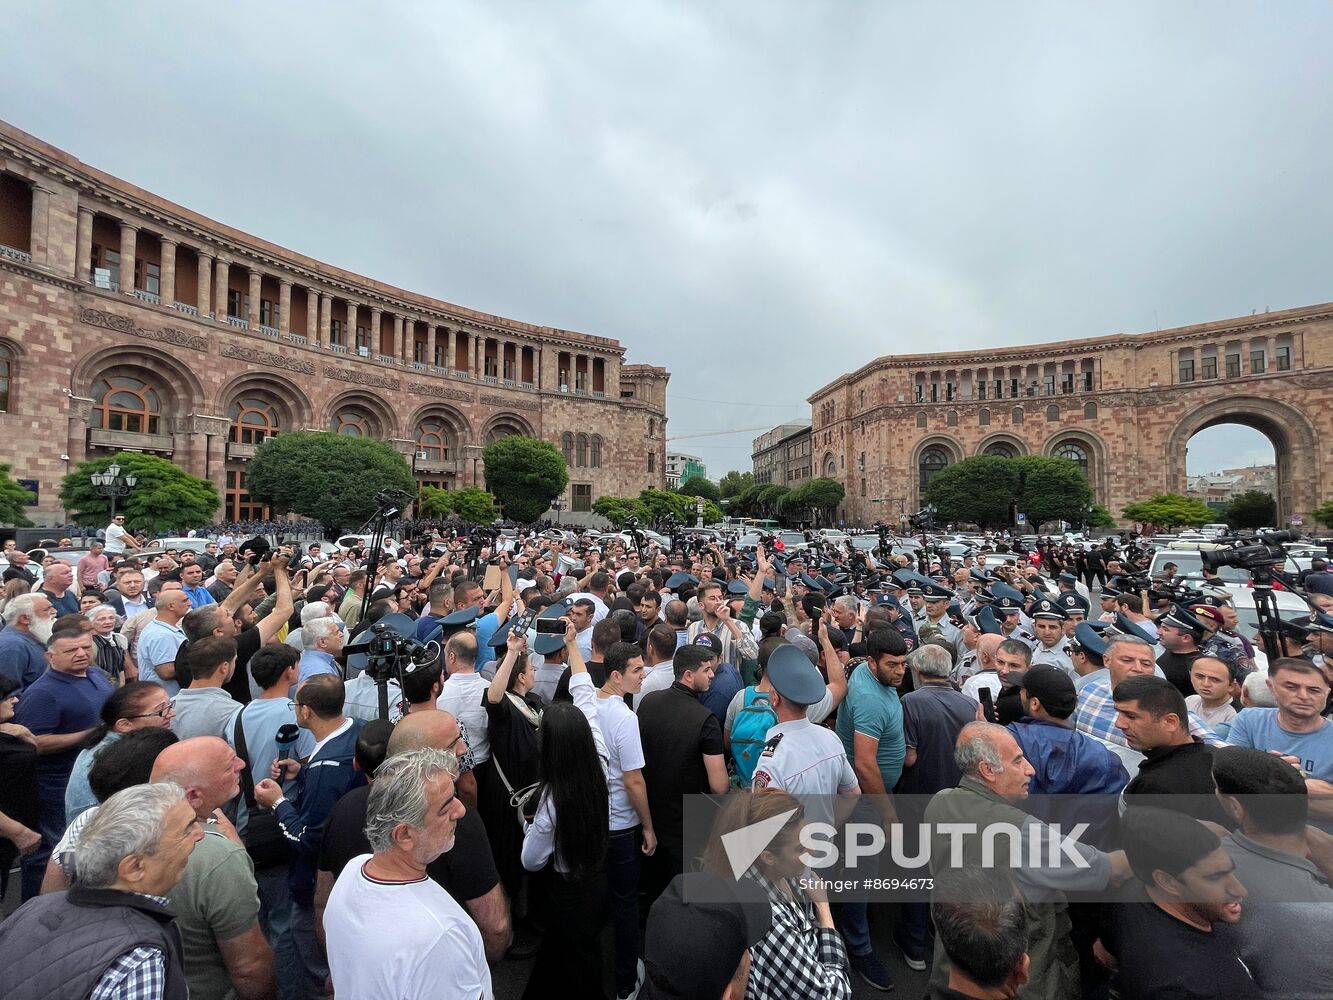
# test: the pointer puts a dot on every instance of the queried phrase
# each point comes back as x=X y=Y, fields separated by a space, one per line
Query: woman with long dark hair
x=569 y=829
x=137 y=705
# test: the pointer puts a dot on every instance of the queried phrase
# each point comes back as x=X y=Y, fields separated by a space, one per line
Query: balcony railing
x=419 y=366
x=598 y=394
x=187 y=309
x=296 y=338
x=511 y=382
x=338 y=348
x=129 y=441
x=237 y=450
x=435 y=465
x=14 y=253
x=270 y=331
x=238 y=322
x=490 y=380
x=147 y=296
x=439 y=371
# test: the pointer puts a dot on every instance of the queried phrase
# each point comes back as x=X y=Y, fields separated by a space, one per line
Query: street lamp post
x=112 y=485
x=557 y=505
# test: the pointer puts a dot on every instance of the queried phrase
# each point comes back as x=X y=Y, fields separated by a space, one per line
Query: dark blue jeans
x=623 y=851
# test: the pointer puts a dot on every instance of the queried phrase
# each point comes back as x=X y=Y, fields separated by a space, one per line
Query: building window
x=1089 y=411
x=1001 y=450
x=983 y=417
x=1017 y=416
x=122 y=403
x=1052 y=414
x=234 y=303
x=6 y=376
x=434 y=440
x=1208 y=367
x=239 y=505
x=108 y=260
x=336 y=327
x=951 y=418
x=1014 y=388
x=1233 y=366
x=567 y=447
x=268 y=312
x=999 y=388
x=863 y=487
x=582 y=497
x=1049 y=385
x=595 y=451
x=652 y=427
x=362 y=338
x=353 y=423
x=419 y=350
x=1067 y=384
x=1187 y=369
x=148 y=276
x=253 y=421
x=581 y=451
x=981 y=390
x=931 y=462
x=921 y=420
x=1283 y=359
x=1075 y=454
x=1257 y=362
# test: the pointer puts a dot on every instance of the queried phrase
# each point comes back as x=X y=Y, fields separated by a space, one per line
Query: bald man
x=217 y=901
x=986 y=675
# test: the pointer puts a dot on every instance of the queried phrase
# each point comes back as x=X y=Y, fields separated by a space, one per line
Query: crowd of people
x=205 y=798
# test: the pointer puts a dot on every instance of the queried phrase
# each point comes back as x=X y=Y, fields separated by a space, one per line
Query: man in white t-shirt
x=631 y=823
x=390 y=929
x=117 y=538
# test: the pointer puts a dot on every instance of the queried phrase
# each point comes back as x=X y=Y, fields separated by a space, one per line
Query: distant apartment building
x=782 y=456
x=682 y=467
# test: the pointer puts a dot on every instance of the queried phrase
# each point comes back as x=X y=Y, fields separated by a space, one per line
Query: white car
x=833 y=535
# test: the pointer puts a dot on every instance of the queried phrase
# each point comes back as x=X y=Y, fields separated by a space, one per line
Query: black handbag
x=265 y=842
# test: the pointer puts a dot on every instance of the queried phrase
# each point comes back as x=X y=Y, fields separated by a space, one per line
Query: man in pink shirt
x=93 y=563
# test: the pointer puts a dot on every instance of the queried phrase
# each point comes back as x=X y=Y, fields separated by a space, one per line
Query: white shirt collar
x=347 y=724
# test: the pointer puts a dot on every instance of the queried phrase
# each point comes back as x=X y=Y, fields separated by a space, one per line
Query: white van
x=1213 y=530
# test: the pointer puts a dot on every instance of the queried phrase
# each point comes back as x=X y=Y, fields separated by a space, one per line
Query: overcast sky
x=759 y=196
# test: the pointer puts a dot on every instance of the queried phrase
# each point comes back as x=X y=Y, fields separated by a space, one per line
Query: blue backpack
x=749 y=733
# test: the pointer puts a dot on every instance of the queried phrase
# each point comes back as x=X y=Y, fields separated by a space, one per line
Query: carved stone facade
x=1123 y=406
x=129 y=322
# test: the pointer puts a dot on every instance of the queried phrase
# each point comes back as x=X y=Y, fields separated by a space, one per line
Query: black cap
x=698 y=930
x=1052 y=687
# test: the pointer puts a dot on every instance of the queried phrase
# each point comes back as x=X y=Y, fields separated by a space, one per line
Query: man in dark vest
x=113 y=930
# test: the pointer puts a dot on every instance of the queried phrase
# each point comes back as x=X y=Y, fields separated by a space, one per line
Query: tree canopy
x=820 y=497
x=1100 y=518
x=698 y=486
x=1324 y=513
x=988 y=491
x=471 y=503
x=331 y=478
x=165 y=497
x=1168 y=510
x=734 y=483
x=13 y=500
x=1252 y=509
x=524 y=474
x=618 y=509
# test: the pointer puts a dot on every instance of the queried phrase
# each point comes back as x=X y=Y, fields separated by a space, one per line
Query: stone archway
x=1291 y=434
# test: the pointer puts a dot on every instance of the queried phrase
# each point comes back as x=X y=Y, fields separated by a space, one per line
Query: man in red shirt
x=90 y=565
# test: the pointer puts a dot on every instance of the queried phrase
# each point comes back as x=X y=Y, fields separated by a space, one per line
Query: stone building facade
x=781 y=456
x=129 y=322
x=1124 y=407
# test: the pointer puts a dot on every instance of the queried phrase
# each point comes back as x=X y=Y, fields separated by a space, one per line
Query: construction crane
x=738 y=430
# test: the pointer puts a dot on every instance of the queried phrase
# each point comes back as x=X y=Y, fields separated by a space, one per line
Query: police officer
x=1087 y=649
x=937 y=598
x=898 y=620
x=798 y=756
x=1108 y=596
x=983 y=623
x=1320 y=637
x=1075 y=607
x=1051 y=647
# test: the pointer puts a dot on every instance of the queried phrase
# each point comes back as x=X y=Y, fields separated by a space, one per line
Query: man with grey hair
x=112 y=934
x=391 y=930
x=323 y=641
x=995 y=778
x=29 y=619
x=309 y=612
x=933 y=716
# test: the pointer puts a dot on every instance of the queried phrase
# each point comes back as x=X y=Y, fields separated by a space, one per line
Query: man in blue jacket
x=322 y=780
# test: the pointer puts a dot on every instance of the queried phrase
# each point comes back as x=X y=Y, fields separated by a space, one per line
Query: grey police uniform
x=1057 y=656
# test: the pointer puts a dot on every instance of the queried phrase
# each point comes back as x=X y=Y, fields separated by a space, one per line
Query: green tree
x=525 y=475
x=769 y=498
x=13 y=498
x=981 y=491
x=698 y=486
x=747 y=503
x=332 y=478
x=1252 y=509
x=165 y=497
x=616 y=509
x=1324 y=513
x=435 y=502
x=733 y=484
x=1100 y=518
x=1052 y=489
x=475 y=505
x=657 y=504
x=1168 y=510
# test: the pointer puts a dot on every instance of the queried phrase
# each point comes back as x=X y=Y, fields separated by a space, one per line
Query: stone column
x=204 y=284
x=397 y=335
x=168 y=271
x=448 y=350
x=39 y=236
x=222 y=282
x=409 y=339
x=430 y=345
x=376 y=320
x=349 y=335
x=256 y=284
x=471 y=355
x=311 y=315
x=284 y=306
x=325 y=318
x=128 y=235
x=83 y=249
